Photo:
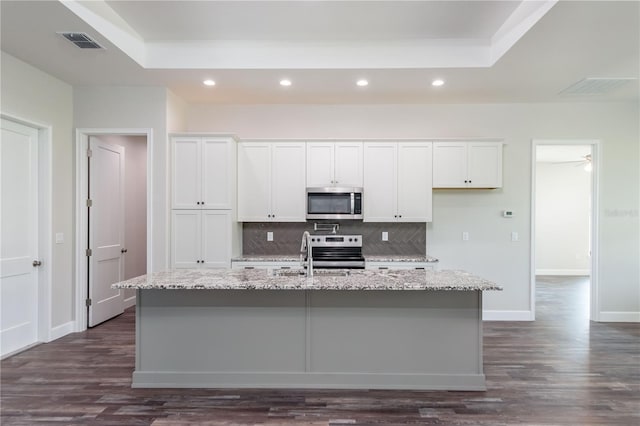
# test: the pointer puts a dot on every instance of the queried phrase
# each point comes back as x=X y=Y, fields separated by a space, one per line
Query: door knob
x=36 y=263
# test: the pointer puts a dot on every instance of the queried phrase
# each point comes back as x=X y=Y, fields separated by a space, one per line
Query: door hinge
x=89 y=252
x=87 y=302
x=89 y=153
x=89 y=203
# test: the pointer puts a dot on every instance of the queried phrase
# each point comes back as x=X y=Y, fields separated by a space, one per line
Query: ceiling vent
x=595 y=86
x=82 y=40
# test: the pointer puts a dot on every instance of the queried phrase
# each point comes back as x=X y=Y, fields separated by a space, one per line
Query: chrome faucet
x=306 y=249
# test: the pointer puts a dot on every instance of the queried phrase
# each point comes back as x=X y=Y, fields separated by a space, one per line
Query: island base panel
x=309 y=339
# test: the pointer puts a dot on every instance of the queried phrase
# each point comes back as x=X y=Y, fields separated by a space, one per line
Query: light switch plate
x=465 y=236
x=59 y=238
x=385 y=236
x=514 y=236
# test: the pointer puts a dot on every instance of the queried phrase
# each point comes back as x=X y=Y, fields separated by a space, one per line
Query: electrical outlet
x=385 y=236
x=59 y=238
x=465 y=236
x=269 y=236
x=514 y=236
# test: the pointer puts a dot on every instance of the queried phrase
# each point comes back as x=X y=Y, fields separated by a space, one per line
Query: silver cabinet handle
x=36 y=263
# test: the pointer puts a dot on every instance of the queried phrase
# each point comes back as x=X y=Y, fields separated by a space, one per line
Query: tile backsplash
x=404 y=238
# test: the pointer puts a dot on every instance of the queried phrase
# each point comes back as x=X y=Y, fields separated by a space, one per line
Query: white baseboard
x=619 y=317
x=507 y=315
x=61 y=330
x=131 y=301
x=564 y=272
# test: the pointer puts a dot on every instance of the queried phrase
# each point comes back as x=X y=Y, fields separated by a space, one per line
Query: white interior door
x=18 y=237
x=106 y=230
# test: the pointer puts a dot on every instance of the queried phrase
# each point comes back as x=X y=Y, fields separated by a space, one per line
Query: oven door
x=332 y=203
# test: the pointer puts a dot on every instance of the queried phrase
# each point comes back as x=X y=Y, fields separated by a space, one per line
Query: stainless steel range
x=337 y=251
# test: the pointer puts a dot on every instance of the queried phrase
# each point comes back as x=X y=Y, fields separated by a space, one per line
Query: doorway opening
x=113 y=199
x=564 y=223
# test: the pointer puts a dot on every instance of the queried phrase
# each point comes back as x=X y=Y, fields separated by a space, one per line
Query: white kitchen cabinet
x=203 y=173
x=202 y=238
x=334 y=164
x=271 y=182
x=397 y=182
x=467 y=165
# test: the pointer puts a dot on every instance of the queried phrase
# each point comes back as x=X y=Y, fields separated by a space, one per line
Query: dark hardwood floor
x=559 y=370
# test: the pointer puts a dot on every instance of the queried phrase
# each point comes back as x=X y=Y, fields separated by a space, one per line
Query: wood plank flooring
x=559 y=370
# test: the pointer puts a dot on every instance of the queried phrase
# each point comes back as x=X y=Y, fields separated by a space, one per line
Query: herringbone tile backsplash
x=404 y=238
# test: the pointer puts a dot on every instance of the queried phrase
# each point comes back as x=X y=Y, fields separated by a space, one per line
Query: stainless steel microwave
x=334 y=203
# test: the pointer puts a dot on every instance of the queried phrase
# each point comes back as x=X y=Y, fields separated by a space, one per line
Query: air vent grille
x=82 y=40
x=595 y=86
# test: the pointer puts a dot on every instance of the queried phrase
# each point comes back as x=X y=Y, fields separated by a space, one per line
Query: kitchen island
x=410 y=329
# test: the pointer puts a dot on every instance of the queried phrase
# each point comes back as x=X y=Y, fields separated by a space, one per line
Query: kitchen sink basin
x=316 y=272
x=330 y=273
x=288 y=273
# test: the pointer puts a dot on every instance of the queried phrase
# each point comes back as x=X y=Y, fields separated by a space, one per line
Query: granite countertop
x=377 y=258
x=267 y=258
x=401 y=258
x=269 y=279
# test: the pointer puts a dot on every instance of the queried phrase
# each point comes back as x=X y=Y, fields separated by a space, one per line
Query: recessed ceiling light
x=285 y=82
x=437 y=82
x=209 y=83
x=362 y=83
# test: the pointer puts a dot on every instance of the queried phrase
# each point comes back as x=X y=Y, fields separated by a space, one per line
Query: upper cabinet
x=397 y=182
x=334 y=164
x=271 y=182
x=202 y=176
x=467 y=165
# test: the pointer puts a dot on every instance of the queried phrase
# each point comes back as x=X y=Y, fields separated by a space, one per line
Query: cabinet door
x=485 y=164
x=186 y=180
x=414 y=182
x=288 y=182
x=216 y=239
x=320 y=164
x=380 y=182
x=254 y=182
x=348 y=164
x=449 y=165
x=185 y=238
x=216 y=173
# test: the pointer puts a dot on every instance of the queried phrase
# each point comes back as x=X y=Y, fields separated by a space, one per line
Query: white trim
x=564 y=272
x=594 y=313
x=62 y=330
x=130 y=301
x=45 y=222
x=82 y=144
x=619 y=316
x=508 y=315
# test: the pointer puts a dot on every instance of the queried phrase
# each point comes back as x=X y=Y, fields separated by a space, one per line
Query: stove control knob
x=350 y=239
x=355 y=239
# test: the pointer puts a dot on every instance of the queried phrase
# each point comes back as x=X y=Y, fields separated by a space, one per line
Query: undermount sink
x=316 y=272
x=288 y=272
x=330 y=273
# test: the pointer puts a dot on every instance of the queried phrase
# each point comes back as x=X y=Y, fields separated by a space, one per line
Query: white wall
x=31 y=95
x=562 y=219
x=489 y=252
x=134 y=108
x=176 y=113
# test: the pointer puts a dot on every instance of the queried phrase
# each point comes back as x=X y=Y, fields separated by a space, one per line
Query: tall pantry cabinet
x=204 y=229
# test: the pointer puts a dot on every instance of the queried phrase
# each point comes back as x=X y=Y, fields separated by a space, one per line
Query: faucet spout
x=306 y=251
